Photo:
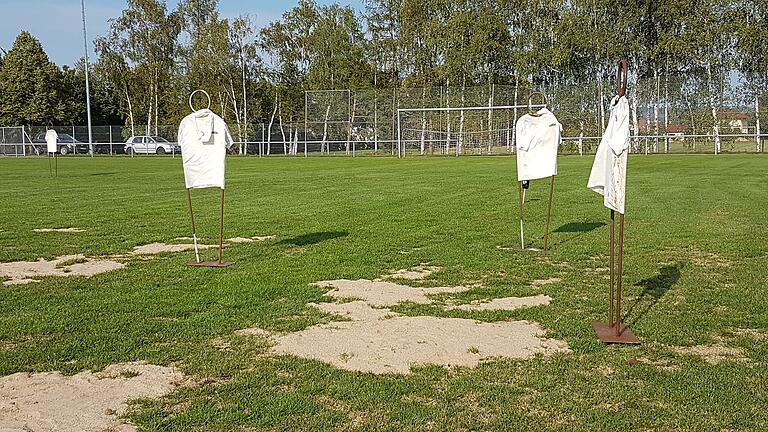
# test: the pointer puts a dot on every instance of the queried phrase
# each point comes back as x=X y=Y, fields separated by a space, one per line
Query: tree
x=29 y=84
x=142 y=44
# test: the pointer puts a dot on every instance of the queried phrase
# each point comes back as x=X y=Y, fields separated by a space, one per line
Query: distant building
x=734 y=121
x=647 y=127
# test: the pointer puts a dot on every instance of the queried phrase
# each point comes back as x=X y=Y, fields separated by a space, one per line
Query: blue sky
x=56 y=23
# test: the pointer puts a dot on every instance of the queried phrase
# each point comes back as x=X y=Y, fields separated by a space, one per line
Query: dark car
x=65 y=144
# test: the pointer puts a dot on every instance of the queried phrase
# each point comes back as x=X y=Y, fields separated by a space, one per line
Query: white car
x=145 y=144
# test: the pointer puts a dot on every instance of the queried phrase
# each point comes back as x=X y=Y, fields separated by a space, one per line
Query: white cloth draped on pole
x=204 y=139
x=51 y=139
x=537 y=140
x=609 y=171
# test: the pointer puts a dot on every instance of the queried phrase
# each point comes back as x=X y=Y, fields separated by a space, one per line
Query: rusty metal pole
x=549 y=211
x=620 y=268
x=612 y=239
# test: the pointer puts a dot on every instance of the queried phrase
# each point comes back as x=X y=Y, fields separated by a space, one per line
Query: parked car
x=65 y=144
x=145 y=144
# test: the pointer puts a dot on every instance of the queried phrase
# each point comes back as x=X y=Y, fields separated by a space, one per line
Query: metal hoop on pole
x=621 y=82
x=193 y=95
x=530 y=103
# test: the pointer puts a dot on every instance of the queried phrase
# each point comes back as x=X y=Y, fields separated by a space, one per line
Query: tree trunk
x=269 y=129
x=666 y=107
x=282 y=133
x=130 y=109
x=633 y=96
x=656 y=102
x=244 y=145
x=325 y=130
x=713 y=107
x=490 y=116
x=423 y=120
x=757 y=121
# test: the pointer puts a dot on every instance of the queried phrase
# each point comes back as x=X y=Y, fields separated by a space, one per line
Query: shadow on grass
x=313 y=238
x=654 y=289
x=579 y=227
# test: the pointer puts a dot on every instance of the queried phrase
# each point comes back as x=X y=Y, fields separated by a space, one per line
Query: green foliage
x=29 y=84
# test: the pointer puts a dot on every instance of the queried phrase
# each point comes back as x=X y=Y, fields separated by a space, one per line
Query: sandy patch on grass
x=159 y=248
x=250 y=239
x=384 y=293
x=708 y=259
x=58 y=230
x=541 y=282
x=23 y=272
x=84 y=402
x=505 y=304
x=382 y=342
x=375 y=339
x=755 y=334
x=714 y=354
x=416 y=273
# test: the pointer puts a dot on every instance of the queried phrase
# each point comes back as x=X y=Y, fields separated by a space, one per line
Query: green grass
x=696 y=271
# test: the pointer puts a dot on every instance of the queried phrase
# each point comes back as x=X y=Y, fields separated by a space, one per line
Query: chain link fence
x=669 y=115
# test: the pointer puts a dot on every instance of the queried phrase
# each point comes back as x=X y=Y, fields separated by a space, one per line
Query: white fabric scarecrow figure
x=51 y=139
x=537 y=140
x=204 y=139
x=609 y=171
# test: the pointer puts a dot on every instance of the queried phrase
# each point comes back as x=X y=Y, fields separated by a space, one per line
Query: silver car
x=145 y=144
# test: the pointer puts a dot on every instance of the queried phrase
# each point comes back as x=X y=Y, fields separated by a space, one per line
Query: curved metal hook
x=621 y=84
x=193 y=94
x=530 y=105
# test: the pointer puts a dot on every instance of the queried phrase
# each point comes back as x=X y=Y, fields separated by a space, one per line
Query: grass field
x=696 y=273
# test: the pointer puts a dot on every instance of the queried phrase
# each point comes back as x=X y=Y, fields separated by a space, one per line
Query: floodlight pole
x=87 y=81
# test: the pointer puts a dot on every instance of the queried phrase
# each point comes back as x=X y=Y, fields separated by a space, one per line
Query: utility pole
x=87 y=81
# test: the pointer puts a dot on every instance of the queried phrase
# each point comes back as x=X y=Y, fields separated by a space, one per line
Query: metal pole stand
x=521 y=188
x=215 y=264
x=615 y=331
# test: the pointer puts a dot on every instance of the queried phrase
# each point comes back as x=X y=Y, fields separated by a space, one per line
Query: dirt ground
x=375 y=339
x=49 y=401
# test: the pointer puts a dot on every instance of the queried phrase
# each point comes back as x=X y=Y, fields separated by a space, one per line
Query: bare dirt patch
x=83 y=402
x=375 y=339
x=384 y=293
x=250 y=239
x=23 y=272
x=505 y=304
x=708 y=259
x=714 y=354
x=159 y=248
x=541 y=282
x=58 y=230
x=383 y=342
x=416 y=273
x=755 y=334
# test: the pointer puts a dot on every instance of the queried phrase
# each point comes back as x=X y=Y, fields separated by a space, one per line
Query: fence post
x=23 y=134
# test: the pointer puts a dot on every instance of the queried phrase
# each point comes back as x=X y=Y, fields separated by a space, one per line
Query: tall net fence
x=669 y=115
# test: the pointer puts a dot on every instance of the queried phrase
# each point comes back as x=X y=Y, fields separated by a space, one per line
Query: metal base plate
x=607 y=334
x=215 y=264
x=532 y=249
